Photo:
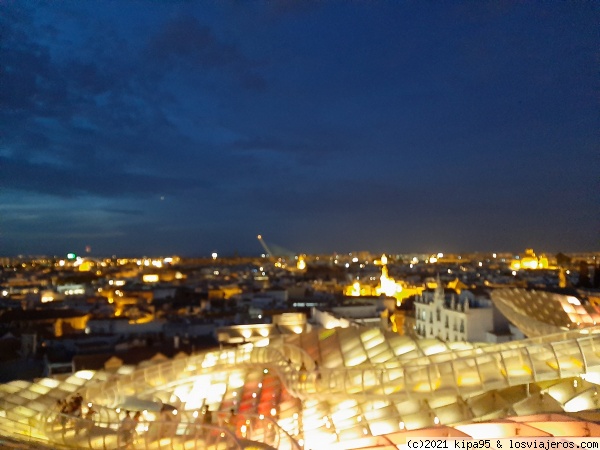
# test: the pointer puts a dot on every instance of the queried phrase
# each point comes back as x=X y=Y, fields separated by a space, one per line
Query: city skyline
x=178 y=128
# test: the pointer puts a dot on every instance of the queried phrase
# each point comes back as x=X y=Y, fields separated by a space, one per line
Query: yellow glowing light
x=150 y=278
x=301 y=265
x=468 y=380
x=355 y=289
x=247 y=333
x=86 y=375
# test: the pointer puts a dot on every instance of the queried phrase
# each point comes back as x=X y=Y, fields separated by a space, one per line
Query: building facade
x=453 y=317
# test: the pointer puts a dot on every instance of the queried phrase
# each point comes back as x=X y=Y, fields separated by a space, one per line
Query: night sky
x=166 y=127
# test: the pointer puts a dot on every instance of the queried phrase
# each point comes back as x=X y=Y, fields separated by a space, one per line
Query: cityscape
x=297 y=224
x=291 y=351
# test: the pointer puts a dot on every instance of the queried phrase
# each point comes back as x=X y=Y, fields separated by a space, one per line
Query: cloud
x=185 y=37
x=378 y=117
x=66 y=182
x=127 y=212
x=187 y=44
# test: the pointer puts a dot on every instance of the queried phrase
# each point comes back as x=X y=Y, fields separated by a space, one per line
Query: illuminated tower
x=387 y=285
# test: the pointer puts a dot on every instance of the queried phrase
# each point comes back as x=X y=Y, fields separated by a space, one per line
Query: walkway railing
x=461 y=374
x=534 y=361
x=73 y=432
x=464 y=376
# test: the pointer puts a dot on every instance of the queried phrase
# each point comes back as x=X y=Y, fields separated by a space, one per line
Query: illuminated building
x=301 y=264
x=224 y=291
x=387 y=286
x=529 y=261
x=54 y=321
x=452 y=318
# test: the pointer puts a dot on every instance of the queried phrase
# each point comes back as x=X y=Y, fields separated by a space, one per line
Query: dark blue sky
x=148 y=127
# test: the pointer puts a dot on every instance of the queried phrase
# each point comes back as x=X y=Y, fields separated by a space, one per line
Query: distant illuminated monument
x=529 y=261
x=387 y=286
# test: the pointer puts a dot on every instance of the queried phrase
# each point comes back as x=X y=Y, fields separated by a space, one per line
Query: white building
x=453 y=317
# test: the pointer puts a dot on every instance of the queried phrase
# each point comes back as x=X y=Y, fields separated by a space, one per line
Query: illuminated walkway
x=371 y=389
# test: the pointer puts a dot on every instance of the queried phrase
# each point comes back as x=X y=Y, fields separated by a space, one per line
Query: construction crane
x=264 y=245
x=281 y=255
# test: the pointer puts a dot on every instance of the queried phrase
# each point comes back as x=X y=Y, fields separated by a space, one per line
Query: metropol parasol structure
x=341 y=388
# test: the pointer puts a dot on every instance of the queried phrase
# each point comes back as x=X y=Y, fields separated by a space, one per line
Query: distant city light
x=214 y=255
